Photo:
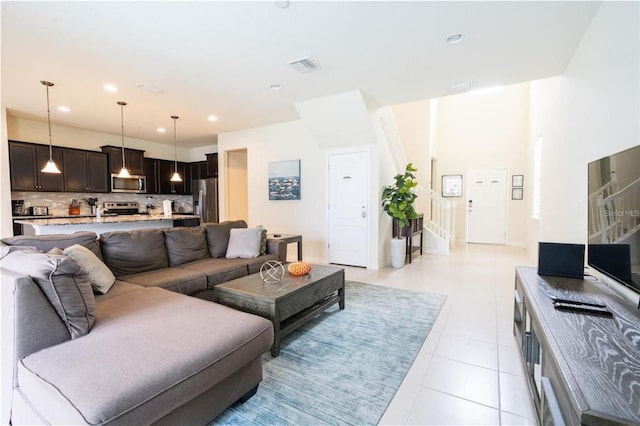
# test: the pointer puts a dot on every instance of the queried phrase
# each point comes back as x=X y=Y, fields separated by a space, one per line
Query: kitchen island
x=100 y=225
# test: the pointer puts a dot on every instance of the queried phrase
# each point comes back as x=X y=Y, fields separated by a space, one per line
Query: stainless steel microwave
x=133 y=184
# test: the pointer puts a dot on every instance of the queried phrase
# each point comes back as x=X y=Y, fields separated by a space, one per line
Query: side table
x=289 y=238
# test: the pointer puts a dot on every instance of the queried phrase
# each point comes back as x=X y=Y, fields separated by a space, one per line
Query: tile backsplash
x=58 y=202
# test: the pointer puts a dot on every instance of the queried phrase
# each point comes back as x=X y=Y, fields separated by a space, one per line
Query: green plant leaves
x=397 y=199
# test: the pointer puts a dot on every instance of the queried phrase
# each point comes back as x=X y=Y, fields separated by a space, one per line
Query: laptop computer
x=561 y=260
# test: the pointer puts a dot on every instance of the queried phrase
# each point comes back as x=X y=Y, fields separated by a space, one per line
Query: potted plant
x=397 y=201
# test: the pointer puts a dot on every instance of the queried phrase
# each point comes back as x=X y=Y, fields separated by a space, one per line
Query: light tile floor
x=468 y=371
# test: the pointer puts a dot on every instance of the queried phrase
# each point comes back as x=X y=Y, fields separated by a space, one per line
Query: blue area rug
x=343 y=367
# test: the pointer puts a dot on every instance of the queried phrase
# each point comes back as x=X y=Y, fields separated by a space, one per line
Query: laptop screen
x=561 y=260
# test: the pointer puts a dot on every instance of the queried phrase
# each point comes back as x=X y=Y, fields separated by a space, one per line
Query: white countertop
x=105 y=219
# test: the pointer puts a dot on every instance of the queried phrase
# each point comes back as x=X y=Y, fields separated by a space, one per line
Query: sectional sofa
x=120 y=329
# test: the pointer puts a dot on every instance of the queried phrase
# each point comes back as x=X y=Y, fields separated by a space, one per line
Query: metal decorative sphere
x=272 y=271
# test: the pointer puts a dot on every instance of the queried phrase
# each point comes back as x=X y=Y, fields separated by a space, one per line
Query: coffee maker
x=17 y=207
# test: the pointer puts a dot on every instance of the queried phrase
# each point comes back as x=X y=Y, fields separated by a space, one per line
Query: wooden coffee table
x=289 y=303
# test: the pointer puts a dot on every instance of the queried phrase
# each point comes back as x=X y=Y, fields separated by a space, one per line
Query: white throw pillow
x=244 y=243
x=100 y=275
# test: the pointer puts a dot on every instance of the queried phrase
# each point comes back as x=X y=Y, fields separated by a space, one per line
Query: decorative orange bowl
x=299 y=268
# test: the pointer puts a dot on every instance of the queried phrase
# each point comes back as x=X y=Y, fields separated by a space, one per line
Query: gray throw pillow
x=132 y=252
x=100 y=276
x=244 y=243
x=64 y=283
x=218 y=236
x=185 y=244
x=48 y=242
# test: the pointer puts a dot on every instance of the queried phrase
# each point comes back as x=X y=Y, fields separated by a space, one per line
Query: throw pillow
x=185 y=244
x=100 y=276
x=244 y=243
x=64 y=283
x=47 y=242
x=218 y=236
x=263 y=240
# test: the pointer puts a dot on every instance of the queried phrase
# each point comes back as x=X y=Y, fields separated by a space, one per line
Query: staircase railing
x=442 y=218
x=619 y=217
x=595 y=225
x=439 y=216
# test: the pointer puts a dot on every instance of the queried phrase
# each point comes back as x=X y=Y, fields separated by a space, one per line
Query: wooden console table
x=581 y=368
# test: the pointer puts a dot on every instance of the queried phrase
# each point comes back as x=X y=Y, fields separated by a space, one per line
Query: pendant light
x=51 y=166
x=176 y=176
x=124 y=173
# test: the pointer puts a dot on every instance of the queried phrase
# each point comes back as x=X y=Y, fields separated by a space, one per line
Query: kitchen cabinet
x=198 y=170
x=150 y=168
x=25 y=162
x=212 y=165
x=84 y=171
x=134 y=159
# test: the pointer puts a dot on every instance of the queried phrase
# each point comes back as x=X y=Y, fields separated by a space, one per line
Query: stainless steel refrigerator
x=205 y=199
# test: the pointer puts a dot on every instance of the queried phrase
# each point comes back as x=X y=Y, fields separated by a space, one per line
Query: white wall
x=592 y=111
x=412 y=120
x=285 y=141
x=486 y=131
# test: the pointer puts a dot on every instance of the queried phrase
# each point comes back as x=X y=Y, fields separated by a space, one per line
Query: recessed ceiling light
x=486 y=90
x=110 y=88
x=461 y=87
x=63 y=108
x=275 y=86
x=455 y=38
x=281 y=4
x=161 y=130
x=212 y=118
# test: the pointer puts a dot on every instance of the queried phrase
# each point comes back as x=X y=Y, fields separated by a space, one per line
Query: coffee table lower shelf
x=299 y=319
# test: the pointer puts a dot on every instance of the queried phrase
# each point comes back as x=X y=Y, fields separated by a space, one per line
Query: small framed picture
x=452 y=185
x=517 y=193
x=517 y=181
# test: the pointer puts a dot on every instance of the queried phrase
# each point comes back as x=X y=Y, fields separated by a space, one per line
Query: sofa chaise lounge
x=146 y=351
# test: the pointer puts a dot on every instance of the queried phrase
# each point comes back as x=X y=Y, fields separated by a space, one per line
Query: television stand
x=581 y=368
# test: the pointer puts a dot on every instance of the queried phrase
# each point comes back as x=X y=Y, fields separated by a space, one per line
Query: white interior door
x=487 y=206
x=348 y=208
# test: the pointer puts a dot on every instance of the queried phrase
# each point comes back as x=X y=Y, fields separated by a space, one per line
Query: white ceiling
x=221 y=57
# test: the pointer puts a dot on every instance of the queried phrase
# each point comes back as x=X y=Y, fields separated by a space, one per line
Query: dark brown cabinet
x=212 y=165
x=85 y=171
x=198 y=170
x=159 y=172
x=26 y=160
x=134 y=159
x=151 y=173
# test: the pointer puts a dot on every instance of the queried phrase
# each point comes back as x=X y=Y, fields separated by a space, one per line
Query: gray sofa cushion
x=174 y=279
x=155 y=366
x=65 y=284
x=218 y=236
x=218 y=270
x=118 y=289
x=132 y=252
x=47 y=242
x=186 y=244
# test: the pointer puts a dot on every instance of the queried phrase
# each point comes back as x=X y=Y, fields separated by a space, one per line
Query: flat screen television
x=614 y=217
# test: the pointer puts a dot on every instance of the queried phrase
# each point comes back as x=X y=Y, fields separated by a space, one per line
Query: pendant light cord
x=122 y=104
x=49 y=120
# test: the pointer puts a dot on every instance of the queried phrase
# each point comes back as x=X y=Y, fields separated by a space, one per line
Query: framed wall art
x=452 y=185
x=517 y=181
x=517 y=193
x=284 y=180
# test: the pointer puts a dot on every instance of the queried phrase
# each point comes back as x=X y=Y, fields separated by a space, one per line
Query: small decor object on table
x=272 y=271
x=299 y=268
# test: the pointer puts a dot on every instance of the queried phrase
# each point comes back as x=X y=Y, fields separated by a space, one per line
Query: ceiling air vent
x=304 y=65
